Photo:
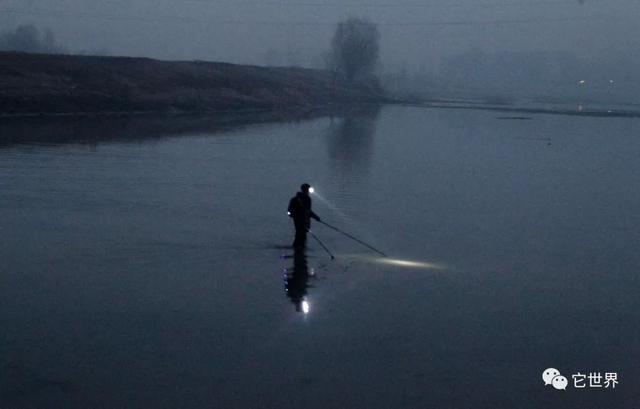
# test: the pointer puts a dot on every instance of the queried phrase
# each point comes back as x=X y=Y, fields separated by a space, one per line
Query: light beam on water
x=397 y=262
x=409 y=263
x=331 y=206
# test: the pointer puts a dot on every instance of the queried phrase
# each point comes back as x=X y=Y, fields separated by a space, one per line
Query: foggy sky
x=413 y=32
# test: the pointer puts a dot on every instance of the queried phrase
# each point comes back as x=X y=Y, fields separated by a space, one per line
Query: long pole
x=354 y=238
x=323 y=246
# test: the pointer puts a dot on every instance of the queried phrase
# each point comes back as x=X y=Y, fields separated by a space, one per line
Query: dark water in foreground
x=142 y=265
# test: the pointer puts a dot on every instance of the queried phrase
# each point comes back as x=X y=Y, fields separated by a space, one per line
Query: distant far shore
x=63 y=85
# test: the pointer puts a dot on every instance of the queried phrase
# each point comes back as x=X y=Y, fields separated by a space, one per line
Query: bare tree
x=355 y=48
x=29 y=39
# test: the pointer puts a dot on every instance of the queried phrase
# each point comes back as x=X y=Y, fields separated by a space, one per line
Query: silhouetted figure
x=297 y=281
x=300 y=211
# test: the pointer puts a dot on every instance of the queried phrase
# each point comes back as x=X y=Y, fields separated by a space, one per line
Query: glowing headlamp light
x=311 y=190
x=305 y=307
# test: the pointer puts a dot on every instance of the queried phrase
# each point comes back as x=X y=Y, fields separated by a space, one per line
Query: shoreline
x=34 y=85
x=67 y=86
x=559 y=109
x=318 y=110
x=330 y=109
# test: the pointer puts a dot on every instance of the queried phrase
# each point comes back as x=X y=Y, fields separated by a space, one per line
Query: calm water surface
x=144 y=265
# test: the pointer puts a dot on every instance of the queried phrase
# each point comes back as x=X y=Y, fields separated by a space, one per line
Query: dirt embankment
x=61 y=84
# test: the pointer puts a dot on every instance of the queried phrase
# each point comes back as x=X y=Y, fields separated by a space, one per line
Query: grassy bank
x=34 y=84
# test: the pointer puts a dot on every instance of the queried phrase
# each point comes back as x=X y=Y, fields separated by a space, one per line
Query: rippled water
x=144 y=262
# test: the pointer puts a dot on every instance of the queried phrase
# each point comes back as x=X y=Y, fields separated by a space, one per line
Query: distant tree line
x=355 y=49
x=27 y=38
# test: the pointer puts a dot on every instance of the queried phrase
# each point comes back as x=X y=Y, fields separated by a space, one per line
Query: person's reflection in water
x=296 y=281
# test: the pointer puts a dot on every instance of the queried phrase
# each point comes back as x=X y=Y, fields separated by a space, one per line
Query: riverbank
x=590 y=109
x=37 y=84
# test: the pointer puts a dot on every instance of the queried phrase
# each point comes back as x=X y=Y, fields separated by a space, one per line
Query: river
x=145 y=261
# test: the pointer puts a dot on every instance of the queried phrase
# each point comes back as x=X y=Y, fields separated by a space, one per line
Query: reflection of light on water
x=305 y=306
x=396 y=262
x=409 y=263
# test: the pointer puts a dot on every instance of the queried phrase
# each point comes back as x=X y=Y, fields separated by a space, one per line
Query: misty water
x=145 y=262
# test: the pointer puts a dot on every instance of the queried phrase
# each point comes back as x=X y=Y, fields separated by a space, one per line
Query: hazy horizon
x=593 y=36
x=411 y=31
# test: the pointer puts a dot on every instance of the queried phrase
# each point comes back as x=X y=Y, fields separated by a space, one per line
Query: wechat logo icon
x=552 y=376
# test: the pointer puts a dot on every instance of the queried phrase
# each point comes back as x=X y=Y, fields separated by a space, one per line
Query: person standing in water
x=300 y=211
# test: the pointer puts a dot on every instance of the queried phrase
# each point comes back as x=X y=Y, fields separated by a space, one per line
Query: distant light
x=610 y=81
x=305 y=306
x=311 y=190
x=582 y=82
x=288 y=213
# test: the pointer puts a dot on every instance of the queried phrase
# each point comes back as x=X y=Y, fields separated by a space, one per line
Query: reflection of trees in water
x=351 y=145
x=103 y=129
x=350 y=138
x=94 y=130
